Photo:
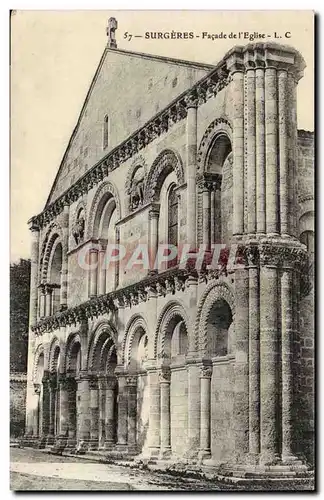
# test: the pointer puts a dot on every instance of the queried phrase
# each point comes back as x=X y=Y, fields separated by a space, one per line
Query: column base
x=165 y=453
x=82 y=446
x=60 y=444
x=50 y=440
x=203 y=455
x=93 y=444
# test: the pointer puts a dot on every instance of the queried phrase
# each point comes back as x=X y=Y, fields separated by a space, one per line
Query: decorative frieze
x=156 y=285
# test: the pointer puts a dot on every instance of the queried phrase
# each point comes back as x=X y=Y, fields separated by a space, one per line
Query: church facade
x=135 y=351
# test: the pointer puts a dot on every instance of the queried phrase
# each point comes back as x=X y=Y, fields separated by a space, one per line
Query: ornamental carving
x=135 y=184
x=131 y=381
x=166 y=162
x=216 y=127
x=206 y=371
x=78 y=229
x=172 y=311
x=213 y=293
x=165 y=376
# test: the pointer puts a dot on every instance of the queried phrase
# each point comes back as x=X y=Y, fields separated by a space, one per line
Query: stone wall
x=145 y=86
x=18 y=385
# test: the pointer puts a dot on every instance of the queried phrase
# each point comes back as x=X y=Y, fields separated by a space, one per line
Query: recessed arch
x=54 y=353
x=54 y=238
x=39 y=364
x=103 y=331
x=222 y=128
x=166 y=162
x=135 y=328
x=213 y=293
x=104 y=193
x=170 y=316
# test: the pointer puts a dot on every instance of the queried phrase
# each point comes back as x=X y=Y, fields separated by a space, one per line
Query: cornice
x=168 y=282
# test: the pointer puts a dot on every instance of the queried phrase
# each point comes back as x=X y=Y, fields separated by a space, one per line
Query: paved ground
x=36 y=470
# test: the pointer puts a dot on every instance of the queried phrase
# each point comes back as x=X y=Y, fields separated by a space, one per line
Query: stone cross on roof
x=111 y=28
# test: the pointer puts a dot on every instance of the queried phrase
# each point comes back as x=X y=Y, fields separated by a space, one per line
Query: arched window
x=173 y=221
x=105 y=139
x=307 y=237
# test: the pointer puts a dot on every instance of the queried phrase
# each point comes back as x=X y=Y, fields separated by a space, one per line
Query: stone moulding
x=159 y=285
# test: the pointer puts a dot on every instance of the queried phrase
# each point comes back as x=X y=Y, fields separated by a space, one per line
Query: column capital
x=111 y=382
x=165 y=375
x=206 y=371
x=37 y=388
x=191 y=99
x=154 y=211
x=131 y=380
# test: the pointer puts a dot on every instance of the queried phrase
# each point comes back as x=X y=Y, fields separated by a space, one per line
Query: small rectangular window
x=105 y=132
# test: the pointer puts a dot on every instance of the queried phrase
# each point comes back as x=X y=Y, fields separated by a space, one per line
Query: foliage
x=19 y=314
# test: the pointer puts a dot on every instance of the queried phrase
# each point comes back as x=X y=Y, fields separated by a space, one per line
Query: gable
x=129 y=89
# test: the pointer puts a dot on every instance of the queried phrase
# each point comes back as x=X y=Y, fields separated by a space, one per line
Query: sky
x=54 y=55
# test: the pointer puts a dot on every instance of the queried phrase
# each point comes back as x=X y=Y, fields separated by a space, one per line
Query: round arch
x=101 y=333
x=166 y=162
x=135 y=325
x=105 y=191
x=54 y=238
x=38 y=356
x=221 y=127
x=54 y=352
x=213 y=293
x=171 y=313
x=73 y=340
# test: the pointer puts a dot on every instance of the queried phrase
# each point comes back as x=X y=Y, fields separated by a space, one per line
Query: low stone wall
x=18 y=386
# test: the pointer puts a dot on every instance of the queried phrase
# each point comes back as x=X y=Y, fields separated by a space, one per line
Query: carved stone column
x=45 y=409
x=42 y=301
x=122 y=410
x=193 y=409
x=93 y=257
x=83 y=395
x=48 y=300
x=52 y=387
x=36 y=430
x=271 y=150
x=102 y=267
x=65 y=248
x=251 y=170
x=154 y=412
x=94 y=413
x=154 y=236
x=260 y=150
x=72 y=411
x=287 y=359
x=205 y=399
x=110 y=420
x=34 y=255
x=283 y=152
x=241 y=367
x=131 y=411
x=165 y=424
x=206 y=202
x=64 y=387
x=236 y=67
x=102 y=410
x=213 y=214
x=269 y=369
x=254 y=353
x=191 y=103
